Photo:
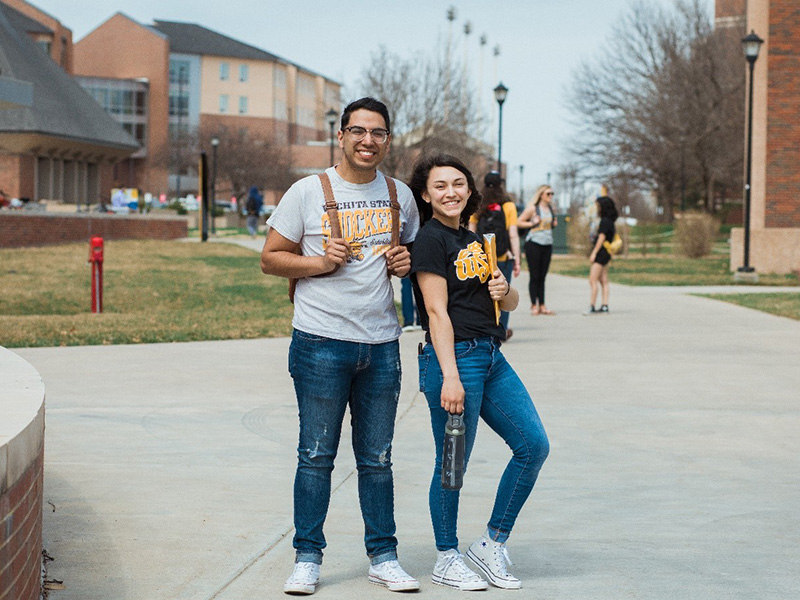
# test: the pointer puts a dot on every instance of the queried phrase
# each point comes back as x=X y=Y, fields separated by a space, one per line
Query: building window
x=242 y=105
x=281 y=110
x=280 y=78
x=44 y=45
x=244 y=72
x=179 y=71
x=224 y=71
x=223 y=103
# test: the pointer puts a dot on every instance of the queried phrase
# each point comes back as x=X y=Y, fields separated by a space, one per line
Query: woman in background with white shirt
x=541 y=219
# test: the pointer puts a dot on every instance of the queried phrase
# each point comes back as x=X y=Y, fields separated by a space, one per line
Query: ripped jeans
x=330 y=375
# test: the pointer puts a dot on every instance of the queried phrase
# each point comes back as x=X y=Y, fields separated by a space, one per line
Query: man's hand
x=398 y=261
x=336 y=253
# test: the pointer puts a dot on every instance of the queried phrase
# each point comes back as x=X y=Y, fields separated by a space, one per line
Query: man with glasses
x=345 y=350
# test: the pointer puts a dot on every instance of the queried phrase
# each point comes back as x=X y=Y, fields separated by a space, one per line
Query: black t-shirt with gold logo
x=458 y=256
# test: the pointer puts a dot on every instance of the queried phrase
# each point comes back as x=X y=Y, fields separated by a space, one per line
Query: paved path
x=673 y=472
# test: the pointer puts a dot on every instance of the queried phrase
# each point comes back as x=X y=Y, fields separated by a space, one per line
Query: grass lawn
x=175 y=291
x=781 y=304
x=664 y=269
x=154 y=291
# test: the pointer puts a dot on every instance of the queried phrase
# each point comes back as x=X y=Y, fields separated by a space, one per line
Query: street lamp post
x=500 y=93
x=214 y=144
x=179 y=135
x=330 y=116
x=751 y=45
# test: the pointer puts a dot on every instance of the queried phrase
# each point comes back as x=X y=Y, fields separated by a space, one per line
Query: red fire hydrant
x=96 y=259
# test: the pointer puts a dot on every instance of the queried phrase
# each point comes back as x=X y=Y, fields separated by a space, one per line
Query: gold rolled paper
x=490 y=248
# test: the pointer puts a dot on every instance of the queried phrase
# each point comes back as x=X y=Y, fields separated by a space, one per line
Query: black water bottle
x=453 y=456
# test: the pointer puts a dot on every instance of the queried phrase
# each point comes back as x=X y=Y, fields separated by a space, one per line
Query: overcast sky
x=541 y=42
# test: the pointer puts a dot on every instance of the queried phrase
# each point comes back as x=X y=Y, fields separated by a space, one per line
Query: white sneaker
x=303 y=580
x=492 y=558
x=451 y=570
x=391 y=575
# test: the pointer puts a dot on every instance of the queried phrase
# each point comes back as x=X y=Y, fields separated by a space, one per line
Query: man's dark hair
x=419 y=181
x=367 y=103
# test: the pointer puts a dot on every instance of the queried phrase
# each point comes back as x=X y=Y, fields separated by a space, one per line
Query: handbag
x=614 y=246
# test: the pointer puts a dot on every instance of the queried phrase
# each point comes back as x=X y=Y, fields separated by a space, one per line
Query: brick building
x=181 y=77
x=60 y=144
x=775 y=191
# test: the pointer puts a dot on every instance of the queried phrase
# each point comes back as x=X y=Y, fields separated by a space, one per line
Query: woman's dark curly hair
x=607 y=208
x=419 y=182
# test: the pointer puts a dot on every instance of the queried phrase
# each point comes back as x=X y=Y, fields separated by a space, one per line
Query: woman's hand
x=498 y=286
x=453 y=395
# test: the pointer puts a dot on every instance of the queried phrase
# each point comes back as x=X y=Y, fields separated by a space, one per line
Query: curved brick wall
x=21 y=478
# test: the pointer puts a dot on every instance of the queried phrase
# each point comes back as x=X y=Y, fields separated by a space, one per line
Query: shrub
x=695 y=233
x=578 y=235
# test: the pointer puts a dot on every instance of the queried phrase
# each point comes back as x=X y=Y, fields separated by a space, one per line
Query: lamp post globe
x=751 y=44
x=331 y=117
x=500 y=93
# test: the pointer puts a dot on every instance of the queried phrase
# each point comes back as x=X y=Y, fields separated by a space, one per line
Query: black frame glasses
x=378 y=134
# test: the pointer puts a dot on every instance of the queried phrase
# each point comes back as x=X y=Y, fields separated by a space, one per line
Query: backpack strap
x=395 y=208
x=333 y=217
x=330 y=205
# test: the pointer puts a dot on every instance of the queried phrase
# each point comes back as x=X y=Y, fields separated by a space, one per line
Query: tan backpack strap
x=395 y=208
x=330 y=205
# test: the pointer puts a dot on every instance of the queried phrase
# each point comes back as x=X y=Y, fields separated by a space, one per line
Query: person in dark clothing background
x=600 y=257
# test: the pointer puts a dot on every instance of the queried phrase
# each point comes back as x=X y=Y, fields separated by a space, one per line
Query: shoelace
x=502 y=560
x=456 y=562
x=303 y=571
x=395 y=571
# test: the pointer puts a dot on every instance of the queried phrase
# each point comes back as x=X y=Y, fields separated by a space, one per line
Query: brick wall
x=18 y=229
x=21 y=535
x=782 y=206
x=729 y=8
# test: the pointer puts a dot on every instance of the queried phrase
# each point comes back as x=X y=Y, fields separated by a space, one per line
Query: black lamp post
x=214 y=144
x=500 y=93
x=331 y=116
x=179 y=136
x=751 y=45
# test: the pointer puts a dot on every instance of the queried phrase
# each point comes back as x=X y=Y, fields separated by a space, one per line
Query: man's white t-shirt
x=356 y=303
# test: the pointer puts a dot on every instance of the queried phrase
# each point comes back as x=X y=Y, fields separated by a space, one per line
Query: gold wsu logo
x=472 y=262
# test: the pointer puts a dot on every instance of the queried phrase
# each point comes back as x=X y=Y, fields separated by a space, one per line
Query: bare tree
x=433 y=107
x=245 y=160
x=663 y=105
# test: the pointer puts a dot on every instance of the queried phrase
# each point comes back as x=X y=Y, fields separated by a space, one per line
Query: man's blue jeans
x=330 y=375
x=495 y=394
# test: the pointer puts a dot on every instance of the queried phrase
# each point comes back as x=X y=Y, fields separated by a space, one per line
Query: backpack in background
x=493 y=221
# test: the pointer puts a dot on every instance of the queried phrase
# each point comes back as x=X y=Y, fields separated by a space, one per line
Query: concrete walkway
x=673 y=473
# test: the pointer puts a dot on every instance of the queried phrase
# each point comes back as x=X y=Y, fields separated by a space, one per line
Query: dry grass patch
x=153 y=292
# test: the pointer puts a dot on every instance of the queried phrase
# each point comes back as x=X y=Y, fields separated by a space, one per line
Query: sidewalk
x=673 y=471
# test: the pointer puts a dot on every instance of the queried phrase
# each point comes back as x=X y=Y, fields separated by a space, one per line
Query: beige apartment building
x=169 y=77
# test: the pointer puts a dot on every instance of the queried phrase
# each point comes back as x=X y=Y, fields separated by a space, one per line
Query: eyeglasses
x=359 y=133
x=549 y=193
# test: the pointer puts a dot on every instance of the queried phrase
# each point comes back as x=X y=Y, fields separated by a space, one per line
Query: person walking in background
x=253 y=207
x=409 y=307
x=600 y=258
x=540 y=218
x=463 y=371
x=345 y=351
x=498 y=215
